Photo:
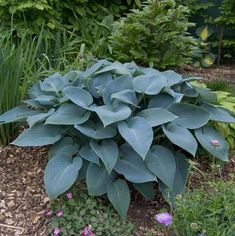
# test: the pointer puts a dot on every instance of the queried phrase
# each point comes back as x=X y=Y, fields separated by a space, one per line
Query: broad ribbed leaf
x=189 y=116
x=119 y=195
x=107 y=150
x=138 y=133
x=164 y=100
x=13 y=115
x=157 y=116
x=146 y=189
x=126 y=96
x=132 y=166
x=53 y=83
x=65 y=145
x=35 y=119
x=172 y=78
x=181 y=137
x=149 y=84
x=218 y=114
x=97 y=84
x=206 y=95
x=96 y=131
x=116 y=68
x=97 y=179
x=68 y=114
x=38 y=135
x=109 y=114
x=47 y=100
x=61 y=173
x=206 y=135
x=79 y=96
x=87 y=153
x=161 y=162
x=91 y=70
x=117 y=85
x=188 y=90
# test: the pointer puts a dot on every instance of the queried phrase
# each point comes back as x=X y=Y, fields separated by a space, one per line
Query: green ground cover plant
x=76 y=210
x=155 y=36
x=209 y=210
x=115 y=123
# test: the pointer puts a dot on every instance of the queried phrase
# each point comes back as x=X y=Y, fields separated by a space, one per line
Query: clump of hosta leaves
x=116 y=125
x=72 y=214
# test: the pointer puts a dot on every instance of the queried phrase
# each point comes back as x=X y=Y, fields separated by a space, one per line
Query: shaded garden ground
x=23 y=200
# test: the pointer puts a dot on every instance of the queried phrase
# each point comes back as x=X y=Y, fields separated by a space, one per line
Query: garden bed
x=23 y=200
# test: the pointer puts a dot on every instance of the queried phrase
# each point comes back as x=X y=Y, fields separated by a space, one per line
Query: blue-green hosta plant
x=117 y=125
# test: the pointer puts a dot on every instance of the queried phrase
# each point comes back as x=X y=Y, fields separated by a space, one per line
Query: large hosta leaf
x=126 y=96
x=132 y=166
x=32 y=120
x=138 y=133
x=97 y=84
x=87 y=153
x=79 y=96
x=97 y=179
x=53 y=83
x=96 y=131
x=117 y=85
x=47 y=100
x=157 y=116
x=109 y=114
x=15 y=114
x=65 y=145
x=218 y=114
x=146 y=189
x=161 y=162
x=60 y=174
x=189 y=116
x=38 y=135
x=181 y=137
x=164 y=100
x=206 y=135
x=119 y=195
x=149 y=84
x=172 y=77
x=107 y=150
x=68 y=114
x=180 y=179
x=116 y=68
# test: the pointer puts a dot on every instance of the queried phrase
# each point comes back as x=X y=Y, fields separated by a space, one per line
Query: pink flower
x=87 y=231
x=164 y=218
x=60 y=213
x=69 y=195
x=48 y=212
x=56 y=231
x=215 y=142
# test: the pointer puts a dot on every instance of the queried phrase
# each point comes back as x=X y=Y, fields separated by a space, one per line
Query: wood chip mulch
x=22 y=197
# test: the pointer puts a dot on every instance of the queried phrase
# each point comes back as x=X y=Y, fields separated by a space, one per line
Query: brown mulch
x=22 y=197
x=226 y=72
x=23 y=200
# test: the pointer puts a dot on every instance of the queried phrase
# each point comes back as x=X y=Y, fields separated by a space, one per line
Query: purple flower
x=56 y=231
x=48 y=212
x=69 y=195
x=164 y=218
x=215 y=142
x=60 y=213
x=87 y=231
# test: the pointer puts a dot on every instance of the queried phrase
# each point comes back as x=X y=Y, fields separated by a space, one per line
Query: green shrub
x=155 y=36
x=84 y=210
x=209 y=211
x=116 y=122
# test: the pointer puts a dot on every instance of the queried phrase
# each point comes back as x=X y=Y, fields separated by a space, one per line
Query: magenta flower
x=87 y=231
x=215 y=143
x=69 y=195
x=60 y=213
x=56 y=231
x=164 y=218
x=48 y=212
